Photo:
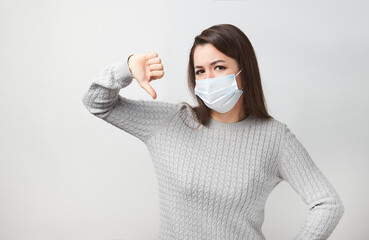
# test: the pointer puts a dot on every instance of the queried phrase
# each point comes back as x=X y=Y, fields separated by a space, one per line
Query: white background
x=67 y=175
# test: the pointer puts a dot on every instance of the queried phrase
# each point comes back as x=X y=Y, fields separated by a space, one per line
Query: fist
x=146 y=67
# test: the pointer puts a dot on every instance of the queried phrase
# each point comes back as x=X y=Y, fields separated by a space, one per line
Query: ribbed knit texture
x=214 y=181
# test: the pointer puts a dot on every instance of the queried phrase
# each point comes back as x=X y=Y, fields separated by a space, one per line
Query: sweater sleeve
x=325 y=206
x=140 y=118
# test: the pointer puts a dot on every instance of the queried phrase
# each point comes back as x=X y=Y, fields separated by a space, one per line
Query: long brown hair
x=232 y=42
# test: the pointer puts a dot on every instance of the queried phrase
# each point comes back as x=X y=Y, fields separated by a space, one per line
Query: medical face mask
x=219 y=93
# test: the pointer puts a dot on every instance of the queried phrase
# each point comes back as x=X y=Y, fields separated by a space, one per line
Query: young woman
x=217 y=162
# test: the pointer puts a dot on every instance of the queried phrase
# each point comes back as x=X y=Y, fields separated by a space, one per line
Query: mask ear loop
x=238 y=72
x=236 y=76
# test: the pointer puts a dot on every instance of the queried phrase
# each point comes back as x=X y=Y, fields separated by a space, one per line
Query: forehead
x=204 y=54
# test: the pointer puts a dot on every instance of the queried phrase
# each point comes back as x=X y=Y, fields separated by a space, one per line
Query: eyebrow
x=212 y=63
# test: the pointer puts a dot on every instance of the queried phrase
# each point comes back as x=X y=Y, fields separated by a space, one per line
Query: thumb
x=145 y=85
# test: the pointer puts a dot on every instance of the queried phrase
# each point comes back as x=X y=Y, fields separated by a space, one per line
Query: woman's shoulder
x=270 y=122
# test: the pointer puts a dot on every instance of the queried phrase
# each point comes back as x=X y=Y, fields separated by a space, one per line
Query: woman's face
x=210 y=63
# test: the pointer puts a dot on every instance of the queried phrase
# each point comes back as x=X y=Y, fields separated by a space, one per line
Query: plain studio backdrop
x=68 y=175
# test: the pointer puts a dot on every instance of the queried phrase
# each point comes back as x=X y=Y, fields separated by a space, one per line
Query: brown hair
x=232 y=42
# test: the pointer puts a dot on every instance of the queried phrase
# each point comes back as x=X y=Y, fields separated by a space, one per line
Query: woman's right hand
x=146 y=67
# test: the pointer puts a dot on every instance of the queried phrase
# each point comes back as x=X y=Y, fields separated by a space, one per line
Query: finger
x=154 y=60
x=151 y=55
x=156 y=74
x=145 y=85
x=156 y=67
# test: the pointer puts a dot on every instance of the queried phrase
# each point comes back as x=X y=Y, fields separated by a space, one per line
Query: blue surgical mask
x=219 y=93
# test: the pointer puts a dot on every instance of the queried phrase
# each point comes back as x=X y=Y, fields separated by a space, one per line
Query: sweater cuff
x=122 y=74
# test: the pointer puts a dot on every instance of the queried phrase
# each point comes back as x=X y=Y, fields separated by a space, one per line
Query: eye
x=221 y=68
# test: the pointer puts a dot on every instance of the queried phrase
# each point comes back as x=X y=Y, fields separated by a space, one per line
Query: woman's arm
x=297 y=168
x=140 y=118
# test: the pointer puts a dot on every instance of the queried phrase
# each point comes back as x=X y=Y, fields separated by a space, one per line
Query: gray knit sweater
x=214 y=180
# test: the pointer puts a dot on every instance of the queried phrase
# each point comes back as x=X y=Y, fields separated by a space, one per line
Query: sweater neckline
x=214 y=124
